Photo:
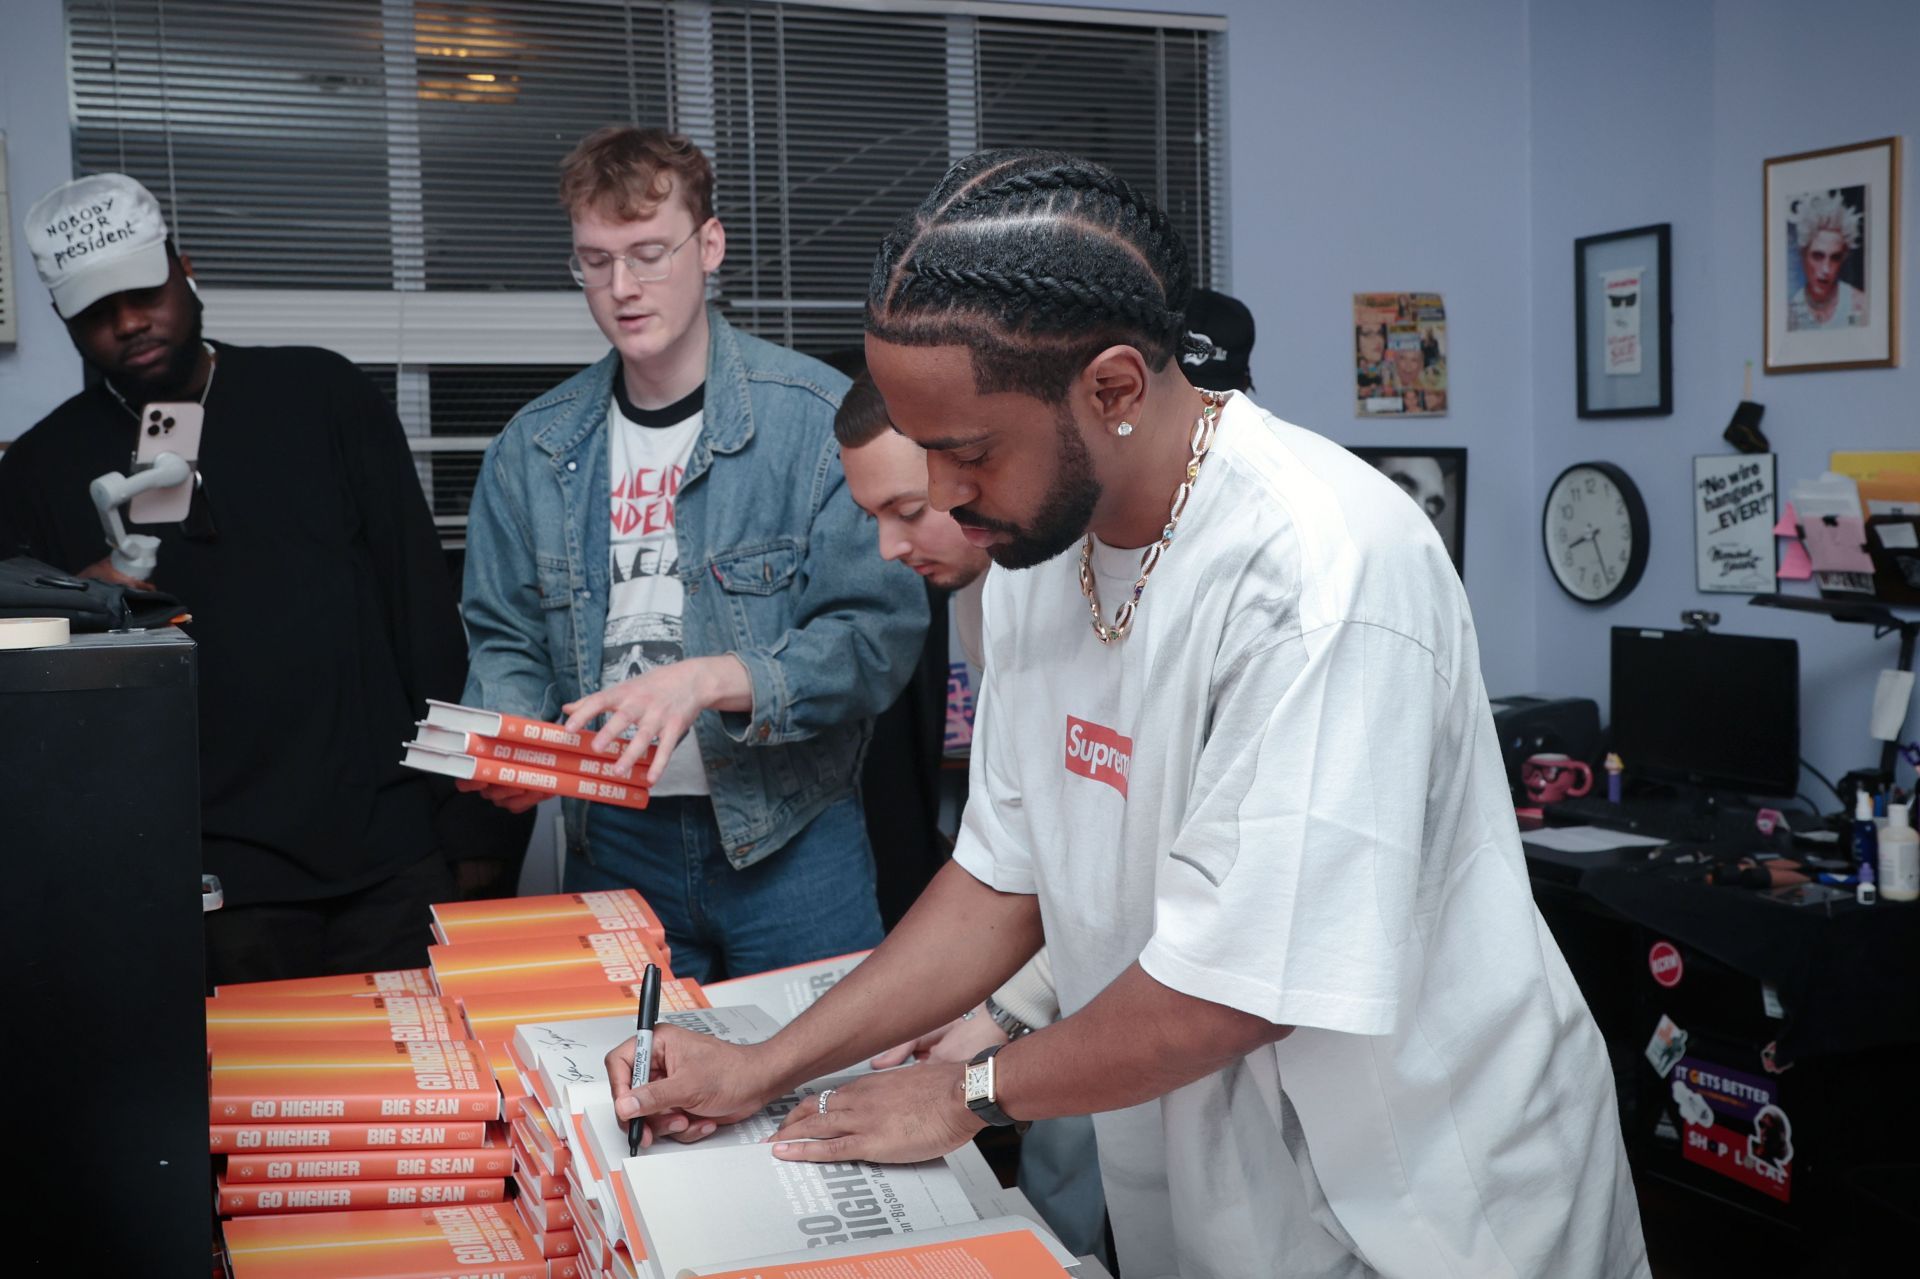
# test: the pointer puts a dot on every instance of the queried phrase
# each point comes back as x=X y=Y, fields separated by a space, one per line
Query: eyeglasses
x=647 y=264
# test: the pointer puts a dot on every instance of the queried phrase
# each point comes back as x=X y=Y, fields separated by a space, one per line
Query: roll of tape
x=32 y=632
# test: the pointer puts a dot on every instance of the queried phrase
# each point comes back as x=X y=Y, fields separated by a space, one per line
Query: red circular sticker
x=1664 y=962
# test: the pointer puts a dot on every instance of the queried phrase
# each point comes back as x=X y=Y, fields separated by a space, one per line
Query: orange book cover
x=289 y=1018
x=533 y=1174
x=571 y=1266
x=567 y=785
x=399 y=981
x=404 y=1243
x=504 y=918
x=536 y=1133
x=555 y=1243
x=499 y=1014
x=346 y=1082
x=230 y=1139
x=587 y=1224
x=509 y=751
x=370 y=1165
x=617 y=958
x=350 y=1196
x=514 y=728
x=1017 y=1254
x=543 y=1215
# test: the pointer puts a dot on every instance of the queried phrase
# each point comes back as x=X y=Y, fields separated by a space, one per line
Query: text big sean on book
x=346 y=1082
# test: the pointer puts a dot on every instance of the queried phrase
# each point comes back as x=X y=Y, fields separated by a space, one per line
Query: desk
x=1847 y=1018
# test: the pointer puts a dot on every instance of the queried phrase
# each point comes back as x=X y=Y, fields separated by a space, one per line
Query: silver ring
x=820 y=1102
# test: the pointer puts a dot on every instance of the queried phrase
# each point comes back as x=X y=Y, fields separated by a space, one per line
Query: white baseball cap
x=96 y=236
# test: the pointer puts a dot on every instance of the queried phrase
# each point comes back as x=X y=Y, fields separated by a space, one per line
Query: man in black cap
x=1219 y=342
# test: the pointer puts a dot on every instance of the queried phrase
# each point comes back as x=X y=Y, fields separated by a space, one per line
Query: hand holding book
x=661 y=706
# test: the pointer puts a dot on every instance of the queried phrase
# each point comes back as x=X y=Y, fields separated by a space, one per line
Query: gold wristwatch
x=979 y=1090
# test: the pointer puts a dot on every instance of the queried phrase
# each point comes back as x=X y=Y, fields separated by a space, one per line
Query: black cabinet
x=104 y=957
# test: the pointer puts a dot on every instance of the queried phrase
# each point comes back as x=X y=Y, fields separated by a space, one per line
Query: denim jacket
x=777 y=565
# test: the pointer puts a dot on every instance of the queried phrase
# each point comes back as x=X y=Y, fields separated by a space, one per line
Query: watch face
x=1594 y=532
x=976 y=1083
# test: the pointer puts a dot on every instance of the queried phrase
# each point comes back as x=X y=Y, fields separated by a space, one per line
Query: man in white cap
x=321 y=603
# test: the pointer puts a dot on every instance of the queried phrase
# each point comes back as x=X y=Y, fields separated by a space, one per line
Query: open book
x=1002 y=1247
x=730 y=1204
x=570 y=1056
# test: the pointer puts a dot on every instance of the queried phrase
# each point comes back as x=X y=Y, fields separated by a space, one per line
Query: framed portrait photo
x=1833 y=258
x=1436 y=479
x=1623 y=322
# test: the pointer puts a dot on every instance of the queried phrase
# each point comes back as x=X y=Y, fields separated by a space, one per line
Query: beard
x=166 y=381
x=1065 y=511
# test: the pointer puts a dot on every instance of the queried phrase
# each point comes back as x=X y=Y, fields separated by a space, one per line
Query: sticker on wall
x=1663 y=961
x=1668 y=1045
x=1735 y=1126
x=1733 y=523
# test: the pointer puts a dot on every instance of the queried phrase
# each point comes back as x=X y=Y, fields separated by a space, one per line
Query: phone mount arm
x=135 y=554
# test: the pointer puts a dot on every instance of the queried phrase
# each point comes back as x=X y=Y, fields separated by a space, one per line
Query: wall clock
x=1594 y=532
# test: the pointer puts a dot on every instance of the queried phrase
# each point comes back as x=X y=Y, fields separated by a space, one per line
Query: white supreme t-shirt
x=1281 y=792
x=647 y=451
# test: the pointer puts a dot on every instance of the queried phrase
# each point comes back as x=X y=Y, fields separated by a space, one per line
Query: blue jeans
x=810 y=900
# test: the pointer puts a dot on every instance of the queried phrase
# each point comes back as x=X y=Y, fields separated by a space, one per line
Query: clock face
x=1594 y=530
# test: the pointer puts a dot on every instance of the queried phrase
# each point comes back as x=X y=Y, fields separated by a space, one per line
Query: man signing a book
x=1234 y=760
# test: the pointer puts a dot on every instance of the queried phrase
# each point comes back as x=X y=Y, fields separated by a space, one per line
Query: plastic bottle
x=1865 y=834
x=1899 y=856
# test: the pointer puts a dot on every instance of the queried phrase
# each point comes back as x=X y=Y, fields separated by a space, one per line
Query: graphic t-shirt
x=647 y=454
x=1282 y=792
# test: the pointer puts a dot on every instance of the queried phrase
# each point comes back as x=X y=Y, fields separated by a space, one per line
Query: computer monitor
x=1719 y=711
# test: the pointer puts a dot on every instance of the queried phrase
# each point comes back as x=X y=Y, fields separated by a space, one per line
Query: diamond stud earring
x=1124 y=429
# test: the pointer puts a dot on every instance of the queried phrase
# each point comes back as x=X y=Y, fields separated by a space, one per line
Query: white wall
x=1385 y=147
x=1653 y=111
x=42 y=369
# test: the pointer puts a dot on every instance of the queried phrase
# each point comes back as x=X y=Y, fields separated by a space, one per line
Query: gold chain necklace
x=1203 y=428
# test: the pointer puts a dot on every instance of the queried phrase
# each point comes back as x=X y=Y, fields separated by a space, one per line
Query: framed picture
x=1437 y=480
x=1833 y=258
x=1623 y=323
x=1733 y=519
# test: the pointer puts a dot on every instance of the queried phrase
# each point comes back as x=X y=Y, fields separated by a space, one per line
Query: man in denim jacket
x=729 y=599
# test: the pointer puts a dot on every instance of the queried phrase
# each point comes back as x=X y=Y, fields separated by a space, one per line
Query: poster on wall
x=1734 y=1125
x=1832 y=265
x=1623 y=289
x=1436 y=479
x=1733 y=514
x=1399 y=354
x=1623 y=323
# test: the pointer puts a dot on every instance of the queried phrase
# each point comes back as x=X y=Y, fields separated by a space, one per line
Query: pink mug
x=1550 y=778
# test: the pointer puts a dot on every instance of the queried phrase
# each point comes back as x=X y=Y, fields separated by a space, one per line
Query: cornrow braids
x=1035 y=261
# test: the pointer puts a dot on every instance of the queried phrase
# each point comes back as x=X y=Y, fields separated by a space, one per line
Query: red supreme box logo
x=1098 y=752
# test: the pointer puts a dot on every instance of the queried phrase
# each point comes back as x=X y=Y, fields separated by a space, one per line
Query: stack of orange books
x=477 y=745
x=502 y=964
x=315 y=1124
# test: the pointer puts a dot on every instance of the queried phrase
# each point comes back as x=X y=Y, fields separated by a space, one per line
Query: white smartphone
x=167 y=427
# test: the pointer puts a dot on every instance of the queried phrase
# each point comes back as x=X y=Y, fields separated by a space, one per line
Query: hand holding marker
x=643 y=1046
